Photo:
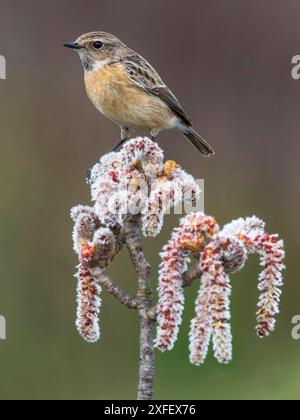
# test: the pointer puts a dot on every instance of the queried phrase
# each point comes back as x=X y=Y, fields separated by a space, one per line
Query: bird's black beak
x=72 y=45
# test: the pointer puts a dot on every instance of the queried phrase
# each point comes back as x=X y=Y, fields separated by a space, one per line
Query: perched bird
x=125 y=88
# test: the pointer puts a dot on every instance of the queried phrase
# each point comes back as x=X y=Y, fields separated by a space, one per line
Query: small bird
x=125 y=88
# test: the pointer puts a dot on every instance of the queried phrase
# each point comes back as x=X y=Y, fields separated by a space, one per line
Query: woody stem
x=144 y=302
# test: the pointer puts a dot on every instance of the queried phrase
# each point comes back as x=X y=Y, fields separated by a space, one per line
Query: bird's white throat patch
x=100 y=64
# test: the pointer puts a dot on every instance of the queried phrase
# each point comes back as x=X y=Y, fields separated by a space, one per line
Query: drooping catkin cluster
x=137 y=181
x=214 y=296
x=192 y=235
x=134 y=181
x=96 y=248
x=221 y=252
x=251 y=234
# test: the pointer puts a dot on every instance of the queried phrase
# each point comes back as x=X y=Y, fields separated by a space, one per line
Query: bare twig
x=116 y=291
x=191 y=275
x=144 y=300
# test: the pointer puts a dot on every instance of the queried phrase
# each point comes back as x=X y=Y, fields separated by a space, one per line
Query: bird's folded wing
x=146 y=78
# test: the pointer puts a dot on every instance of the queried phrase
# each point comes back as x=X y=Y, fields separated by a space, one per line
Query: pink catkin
x=95 y=247
x=201 y=325
x=136 y=181
x=89 y=303
x=272 y=255
x=212 y=307
x=165 y=194
x=226 y=252
x=193 y=231
x=119 y=182
x=171 y=297
x=86 y=223
x=251 y=234
x=220 y=313
x=145 y=152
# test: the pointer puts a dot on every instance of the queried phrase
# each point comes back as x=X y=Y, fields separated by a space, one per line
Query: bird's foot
x=119 y=146
x=88 y=175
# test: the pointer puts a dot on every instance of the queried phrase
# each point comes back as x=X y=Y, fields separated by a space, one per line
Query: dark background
x=229 y=62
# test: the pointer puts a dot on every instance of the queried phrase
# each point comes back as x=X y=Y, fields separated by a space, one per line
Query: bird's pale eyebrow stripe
x=90 y=36
x=93 y=36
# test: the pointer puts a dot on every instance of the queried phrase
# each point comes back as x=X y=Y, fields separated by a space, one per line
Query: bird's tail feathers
x=204 y=148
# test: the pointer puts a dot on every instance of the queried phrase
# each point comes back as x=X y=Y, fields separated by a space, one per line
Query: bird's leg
x=124 y=138
x=154 y=134
x=88 y=175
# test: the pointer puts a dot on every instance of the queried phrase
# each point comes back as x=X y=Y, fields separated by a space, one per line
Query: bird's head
x=97 y=49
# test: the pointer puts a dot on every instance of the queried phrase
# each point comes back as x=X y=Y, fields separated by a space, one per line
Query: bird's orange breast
x=117 y=97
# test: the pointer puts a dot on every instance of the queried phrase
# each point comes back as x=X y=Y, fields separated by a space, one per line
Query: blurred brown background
x=230 y=65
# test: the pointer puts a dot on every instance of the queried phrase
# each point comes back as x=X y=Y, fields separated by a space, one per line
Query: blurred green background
x=230 y=65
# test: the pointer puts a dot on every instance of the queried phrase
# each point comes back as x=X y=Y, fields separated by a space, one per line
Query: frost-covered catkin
x=221 y=252
x=220 y=293
x=234 y=255
x=251 y=234
x=89 y=303
x=191 y=236
x=171 y=297
x=96 y=247
x=104 y=245
x=270 y=280
x=111 y=183
x=173 y=187
x=201 y=325
x=213 y=306
x=249 y=229
x=120 y=181
x=137 y=181
x=86 y=222
x=145 y=154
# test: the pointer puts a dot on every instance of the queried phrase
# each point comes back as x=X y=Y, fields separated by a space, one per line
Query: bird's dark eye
x=97 y=45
